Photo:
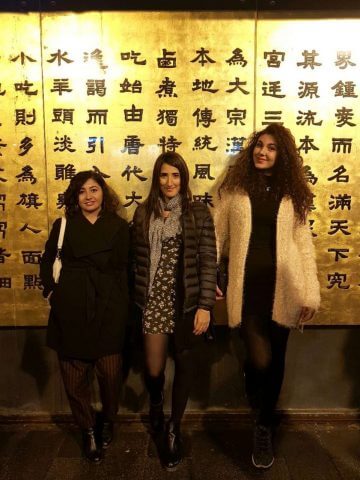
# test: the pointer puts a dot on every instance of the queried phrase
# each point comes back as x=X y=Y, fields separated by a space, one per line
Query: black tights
x=156 y=350
x=265 y=344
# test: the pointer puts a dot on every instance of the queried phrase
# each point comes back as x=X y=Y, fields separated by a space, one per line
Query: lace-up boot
x=263 y=455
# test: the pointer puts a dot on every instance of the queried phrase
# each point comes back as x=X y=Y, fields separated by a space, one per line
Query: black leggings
x=156 y=351
x=265 y=344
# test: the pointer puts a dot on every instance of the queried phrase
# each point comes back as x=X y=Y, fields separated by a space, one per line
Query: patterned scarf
x=161 y=229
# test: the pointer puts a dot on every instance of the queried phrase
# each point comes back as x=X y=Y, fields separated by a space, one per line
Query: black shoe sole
x=261 y=467
x=172 y=468
x=104 y=446
x=93 y=462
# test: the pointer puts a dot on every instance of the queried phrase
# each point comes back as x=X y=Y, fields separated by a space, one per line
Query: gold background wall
x=112 y=90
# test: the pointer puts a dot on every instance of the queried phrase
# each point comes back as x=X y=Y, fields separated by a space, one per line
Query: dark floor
x=308 y=451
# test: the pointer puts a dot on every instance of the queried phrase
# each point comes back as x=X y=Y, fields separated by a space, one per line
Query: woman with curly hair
x=261 y=226
x=89 y=304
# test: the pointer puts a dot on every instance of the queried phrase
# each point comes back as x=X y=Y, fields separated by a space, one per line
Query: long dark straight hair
x=152 y=204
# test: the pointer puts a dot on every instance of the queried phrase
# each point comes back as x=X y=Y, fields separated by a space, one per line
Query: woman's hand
x=219 y=294
x=201 y=321
x=306 y=314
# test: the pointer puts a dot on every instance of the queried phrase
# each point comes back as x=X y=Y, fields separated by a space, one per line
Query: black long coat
x=89 y=305
x=197 y=270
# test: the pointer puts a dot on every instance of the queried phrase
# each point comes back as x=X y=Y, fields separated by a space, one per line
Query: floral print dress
x=160 y=310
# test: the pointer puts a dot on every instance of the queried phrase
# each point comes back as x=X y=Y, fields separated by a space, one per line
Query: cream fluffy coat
x=296 y=284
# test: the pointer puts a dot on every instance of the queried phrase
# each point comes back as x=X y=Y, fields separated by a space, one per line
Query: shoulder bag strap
x=61 y=236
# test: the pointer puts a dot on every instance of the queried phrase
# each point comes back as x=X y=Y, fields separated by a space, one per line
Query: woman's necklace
x=267 y=184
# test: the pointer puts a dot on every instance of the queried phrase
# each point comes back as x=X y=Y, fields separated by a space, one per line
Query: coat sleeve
x=48 y=258
x=124 y=241
x=132 y=251
x=305 y=245
x=221 y=220
x=207 y=262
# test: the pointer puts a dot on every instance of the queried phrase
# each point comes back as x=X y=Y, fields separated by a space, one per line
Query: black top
x=260 y=266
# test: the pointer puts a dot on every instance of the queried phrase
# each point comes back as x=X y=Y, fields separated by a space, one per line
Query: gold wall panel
x=23 y=202
x=130 y=45
x=307 y=77
x=115 y=88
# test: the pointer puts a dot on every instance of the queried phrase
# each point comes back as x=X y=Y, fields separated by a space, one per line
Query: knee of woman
x=184 y=359
x=260 y=365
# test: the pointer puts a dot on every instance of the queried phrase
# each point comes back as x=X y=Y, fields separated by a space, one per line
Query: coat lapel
x=86 y=238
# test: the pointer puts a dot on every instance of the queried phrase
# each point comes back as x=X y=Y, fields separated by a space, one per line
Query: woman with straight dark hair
x=175 y=282
x=261 y=226
x=89 y=304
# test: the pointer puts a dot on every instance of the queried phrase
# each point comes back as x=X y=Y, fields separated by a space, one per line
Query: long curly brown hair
x=288 y=178
x=110 y=202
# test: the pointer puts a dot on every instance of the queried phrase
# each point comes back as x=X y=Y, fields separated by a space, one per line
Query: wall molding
x=210 y=418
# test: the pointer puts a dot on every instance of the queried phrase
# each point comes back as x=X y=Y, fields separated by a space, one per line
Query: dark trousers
x=265 y=344
x=77 y=376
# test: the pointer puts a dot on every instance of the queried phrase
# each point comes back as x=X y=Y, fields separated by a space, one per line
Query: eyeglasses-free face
x=170 y=181
x=265 y=153
x=90 y=197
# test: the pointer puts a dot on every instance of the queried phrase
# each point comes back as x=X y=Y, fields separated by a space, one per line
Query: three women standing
x=89 y=304
x=261 y=226
x=175 y=280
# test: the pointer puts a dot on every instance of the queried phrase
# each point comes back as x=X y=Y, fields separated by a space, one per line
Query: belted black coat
x=89 y=305
x=196 y=283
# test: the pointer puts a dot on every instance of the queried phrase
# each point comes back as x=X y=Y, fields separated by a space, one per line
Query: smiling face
x=265 y=153
x=170 y=181
x=90 y=197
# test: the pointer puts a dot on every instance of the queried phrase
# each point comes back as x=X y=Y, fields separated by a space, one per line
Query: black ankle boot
x=107 y=434
x=156 y=416
x=172 y=453
x=91 y=450
x=104 y=430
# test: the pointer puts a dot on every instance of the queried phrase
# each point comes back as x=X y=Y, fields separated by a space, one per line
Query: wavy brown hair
x=151 y=204
x=288 y=178
x=110 y=202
